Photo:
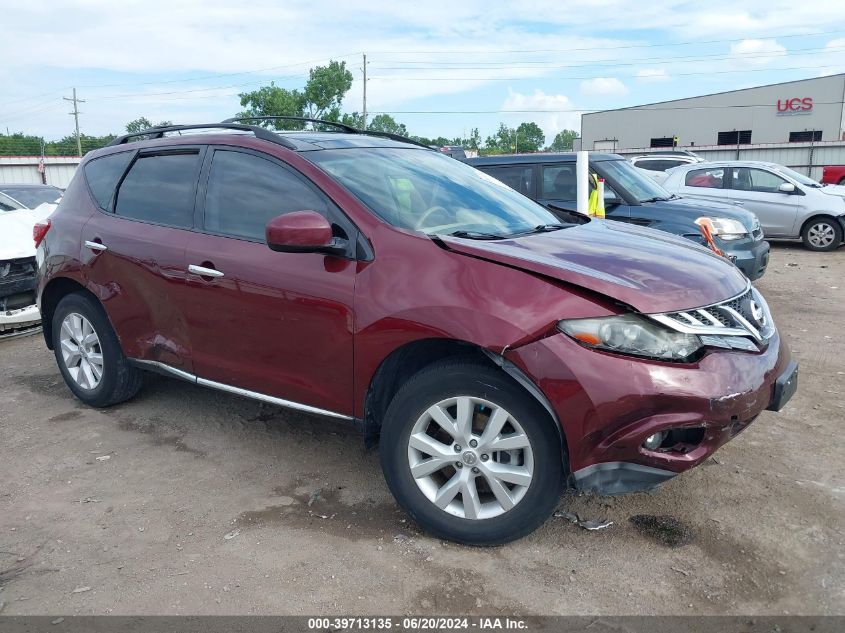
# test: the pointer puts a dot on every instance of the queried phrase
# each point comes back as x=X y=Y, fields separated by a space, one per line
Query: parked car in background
x=455 y=151
x=27 y=196
x=632 y=197
x=833 y=175
x=496 y=351
x=789 y=205
x=656 y=164
x=18 y=310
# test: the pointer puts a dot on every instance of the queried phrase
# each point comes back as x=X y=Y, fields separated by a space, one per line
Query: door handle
x=96 y=246
x=203 y=271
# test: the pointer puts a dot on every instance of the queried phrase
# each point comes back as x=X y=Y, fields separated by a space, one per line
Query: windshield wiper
x=476 y=235
x=655 y=199
x=542 y=228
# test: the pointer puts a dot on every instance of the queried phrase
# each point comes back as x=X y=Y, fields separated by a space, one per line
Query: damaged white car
x=18 y=312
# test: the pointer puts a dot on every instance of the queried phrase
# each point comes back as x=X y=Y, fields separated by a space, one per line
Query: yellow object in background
x=596 y=203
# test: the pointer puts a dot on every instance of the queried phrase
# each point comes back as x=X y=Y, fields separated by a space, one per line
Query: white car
x=656 y=164
x=789 y=205
x=17 y=268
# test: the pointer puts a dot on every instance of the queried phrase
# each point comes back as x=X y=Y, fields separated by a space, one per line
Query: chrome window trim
x=289 y=404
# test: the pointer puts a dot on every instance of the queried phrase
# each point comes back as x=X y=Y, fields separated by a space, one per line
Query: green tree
x=529 y=137
x=355 y=120
x=474 y=140
x=319 y=99
x=564 y=140
x=20 y=144
x=386 y=123
x=501 y=142
x=326 y=87
x=143 y=123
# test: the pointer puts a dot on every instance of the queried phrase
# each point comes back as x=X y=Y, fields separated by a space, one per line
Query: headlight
x=631 y=334
x=725 y=228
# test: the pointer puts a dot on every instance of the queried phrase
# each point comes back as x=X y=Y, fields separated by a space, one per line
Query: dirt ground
x=190 y=501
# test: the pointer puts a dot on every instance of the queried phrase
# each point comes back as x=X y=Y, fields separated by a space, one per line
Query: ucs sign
x=796 y=105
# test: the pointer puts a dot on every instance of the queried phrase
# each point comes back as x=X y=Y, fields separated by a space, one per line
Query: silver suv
x=656 y=164
x=789 y=205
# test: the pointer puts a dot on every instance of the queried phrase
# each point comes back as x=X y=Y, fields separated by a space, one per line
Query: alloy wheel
x=470 y=457
x=821 y=234
x=81 y=351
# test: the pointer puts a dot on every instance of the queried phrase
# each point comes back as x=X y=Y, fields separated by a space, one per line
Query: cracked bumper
x=608 y=404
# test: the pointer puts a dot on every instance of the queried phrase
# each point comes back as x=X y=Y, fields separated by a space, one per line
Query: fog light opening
x=653 y=442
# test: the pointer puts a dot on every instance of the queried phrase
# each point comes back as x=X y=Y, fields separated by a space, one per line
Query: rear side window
x=160 y=189
x=246 y=191
x=102 y=175
x=559 y=182
x=519 y=177
x=706 y=178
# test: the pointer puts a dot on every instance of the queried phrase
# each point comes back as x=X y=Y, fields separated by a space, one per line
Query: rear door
x=757 y=191
x=134 y=248
x=272 y=323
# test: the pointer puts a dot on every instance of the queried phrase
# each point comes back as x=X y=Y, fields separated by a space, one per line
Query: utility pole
x=365 y=91
x=75 y=114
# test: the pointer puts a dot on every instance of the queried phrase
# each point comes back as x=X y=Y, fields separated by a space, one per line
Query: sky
x=440 y=67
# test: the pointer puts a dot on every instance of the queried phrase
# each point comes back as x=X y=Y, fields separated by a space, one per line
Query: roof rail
x=159 y=132
x=342 y=126
x=302 y=119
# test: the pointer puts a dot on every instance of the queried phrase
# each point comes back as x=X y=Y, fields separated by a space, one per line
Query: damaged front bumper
x=17 y=295
x=608 y=405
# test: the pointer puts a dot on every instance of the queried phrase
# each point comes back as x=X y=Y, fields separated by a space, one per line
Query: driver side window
x=759 y=180
x=246 y=191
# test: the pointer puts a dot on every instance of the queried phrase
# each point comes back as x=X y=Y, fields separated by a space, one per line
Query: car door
x=558 y=187
x=756 y=189
x=133 y=249
x=272 y=323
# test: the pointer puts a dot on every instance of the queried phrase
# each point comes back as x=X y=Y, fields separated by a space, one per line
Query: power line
x=592 y=48
x=582 y=110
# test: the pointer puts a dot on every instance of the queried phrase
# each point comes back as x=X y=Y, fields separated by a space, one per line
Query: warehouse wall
x=58 y=170
x=698 y=120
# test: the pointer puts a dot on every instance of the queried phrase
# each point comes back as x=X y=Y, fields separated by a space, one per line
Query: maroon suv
x=495 y=353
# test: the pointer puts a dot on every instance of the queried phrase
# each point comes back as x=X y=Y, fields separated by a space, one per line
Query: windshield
x=804 y=180
x=633 y=182
x=31 y=197
x=428 y=191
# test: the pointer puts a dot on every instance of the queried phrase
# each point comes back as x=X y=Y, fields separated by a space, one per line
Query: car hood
x=695 y=207
x=649 y=270
x=833 y=190
x=16 y=230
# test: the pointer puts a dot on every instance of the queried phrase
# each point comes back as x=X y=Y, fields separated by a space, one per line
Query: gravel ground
x=190 y=501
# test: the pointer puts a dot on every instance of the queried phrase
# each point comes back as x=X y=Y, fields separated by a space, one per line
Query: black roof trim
x=341 y=126
x=159 y=132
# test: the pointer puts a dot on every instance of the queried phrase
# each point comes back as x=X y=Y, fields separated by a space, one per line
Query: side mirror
x=303 y=232
x=786 y=187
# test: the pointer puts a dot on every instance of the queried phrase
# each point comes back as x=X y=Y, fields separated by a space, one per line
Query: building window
x=805 y=137
x=735 y=137
x=666 y=141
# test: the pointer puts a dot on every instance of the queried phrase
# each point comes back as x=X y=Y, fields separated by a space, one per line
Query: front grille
x=729 y=324
x=17 y=283
x=14 y=268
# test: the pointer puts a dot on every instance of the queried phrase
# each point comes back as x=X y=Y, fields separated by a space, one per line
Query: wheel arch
x=55 y=290
x=407 y=360
x=840 y=220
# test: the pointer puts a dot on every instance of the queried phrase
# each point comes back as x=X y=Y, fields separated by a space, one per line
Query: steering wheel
x=429 y=212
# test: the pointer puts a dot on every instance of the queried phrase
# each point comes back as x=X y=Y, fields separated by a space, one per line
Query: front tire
x=470 y=455
x=89 y=355
x=822 y=234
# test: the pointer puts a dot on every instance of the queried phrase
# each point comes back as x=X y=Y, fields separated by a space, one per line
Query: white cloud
x=832 y=60
x=653 y=74
x=560 y=118
x=756 y=53
x=603 y=87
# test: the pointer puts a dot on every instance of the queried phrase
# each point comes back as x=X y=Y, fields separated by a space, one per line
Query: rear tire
x=509 y=479
x=89 y=355
x=822 y=233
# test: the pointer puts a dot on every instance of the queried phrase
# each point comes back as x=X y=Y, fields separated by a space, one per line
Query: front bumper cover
x=608 y=404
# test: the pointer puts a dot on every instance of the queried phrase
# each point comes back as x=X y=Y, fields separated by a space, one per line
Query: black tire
x=451 y=378
x=120 y=381
x=825 y=223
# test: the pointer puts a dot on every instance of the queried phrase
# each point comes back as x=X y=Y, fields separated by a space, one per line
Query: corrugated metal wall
x=58 y=170
x=806 y=158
